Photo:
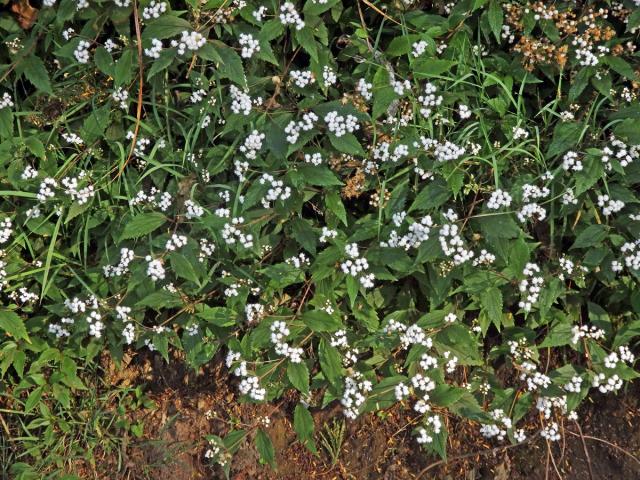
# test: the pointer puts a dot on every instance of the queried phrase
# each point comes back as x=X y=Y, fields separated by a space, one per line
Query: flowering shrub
x=367 y=202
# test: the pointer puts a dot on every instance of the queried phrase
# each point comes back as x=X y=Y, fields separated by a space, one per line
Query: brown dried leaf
x=25 y=14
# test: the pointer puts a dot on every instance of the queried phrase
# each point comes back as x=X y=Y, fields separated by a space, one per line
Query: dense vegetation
x=367 y=202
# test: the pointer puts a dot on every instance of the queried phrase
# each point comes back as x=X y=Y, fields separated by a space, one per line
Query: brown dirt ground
x=376 y=446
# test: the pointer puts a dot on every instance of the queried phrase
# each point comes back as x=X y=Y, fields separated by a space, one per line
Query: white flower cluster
x=154 y=10
x=353 y=396
x=339 y=125
x=631 y=253
x=453 y=245
x=6 y=101
x=253 y=312
x=329 y=75
x=532 y=211
x=485 y=258
x=294 y=128
x=607 y=384
x=327 y=234
x=313 y=158
x=620 y=151
x=298 y=261
x=574 y=385
x=46 y=189
x=175 y=242
x=6 y=229
x=533 y=377
x=155 y=49
x=399 y=86
x=252 y=144
x=250 y=385
x=498 y=429
x=249 y=45
x=290 y=16
x=418 y=48
x=435 y=425
x=82 y=52
x=429 y=99
x=155 y=270
x=608 y=205
x=413 y=335
x=82 y=195
x=277 y=190
x=231 y=233
x=383 y=152
x=29 y=173
x=442 y=151
x=418 y=233
x=302 y=78
x=163 y=203
x=241 y=102
x=279 y=332
x=530 y=287
x=356 y=266
x=551 y=432
x=364 y=89
x=126 y=257
x=586 y=331
x=570 y=162
x=464 y=111
x=193 y=210
x=72 y=138
x=120 y=95
x=191 y=41
x=519 y=132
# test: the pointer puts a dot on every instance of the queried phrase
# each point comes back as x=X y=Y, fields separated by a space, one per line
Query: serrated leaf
x=142 y=224
x=321 y=321
x=13 y=325
x=303 y=425
x=298 y=375
x=347 y=143
x=34 y=70
x=265 y=448
x=330 y=362
x=35 y=146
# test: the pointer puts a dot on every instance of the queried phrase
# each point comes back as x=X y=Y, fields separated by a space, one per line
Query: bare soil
x=376 y=446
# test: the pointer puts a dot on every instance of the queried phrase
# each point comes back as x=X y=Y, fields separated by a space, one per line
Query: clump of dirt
x=190 y=405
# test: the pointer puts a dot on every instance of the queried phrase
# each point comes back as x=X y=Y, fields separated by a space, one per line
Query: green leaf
x=165 y=26
x=491 y=301
x=432 y=196
x=163 y=61
x=330 y=362
x=183 y=268
x=33 y=399
x=142 y=224
x=298 y=375
x=566 y=135
x=35 y=146
x=321 y=321
x=334 y=204
x=495 y=15
x=622 y=67
x=303 y=425
x=123 y=71
x=231 y=64
x=103 y=60
x=347 y=143
x=590 y=236
x=318 y=175
x=265 y=448
x=220 y=316
x=13 y=325
x=35 y=71
x=432 y=67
